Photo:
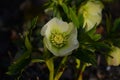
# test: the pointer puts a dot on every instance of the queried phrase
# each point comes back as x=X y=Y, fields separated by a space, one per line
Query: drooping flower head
x=92 y=13
x=115 y=57
x=60 y=37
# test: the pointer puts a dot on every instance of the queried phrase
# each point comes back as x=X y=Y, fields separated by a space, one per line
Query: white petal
x=67 y=50
x=72 y=43
x=55 y=24
x=92 y=13
x=43 y=30
x=94 y=6
x=50 y=26
x=91 y=21
x=61 y=26
x=115 y=61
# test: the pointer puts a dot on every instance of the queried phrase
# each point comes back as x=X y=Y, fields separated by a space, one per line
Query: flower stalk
x=50 y=66
x=80 y=77
x=61 y=68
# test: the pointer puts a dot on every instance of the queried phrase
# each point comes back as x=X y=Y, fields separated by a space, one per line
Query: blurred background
x=13 y=15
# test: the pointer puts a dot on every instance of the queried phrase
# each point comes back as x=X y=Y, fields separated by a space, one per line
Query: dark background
x=13 y=14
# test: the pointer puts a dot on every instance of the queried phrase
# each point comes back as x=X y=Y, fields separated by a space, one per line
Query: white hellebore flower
x=115 y=59
x=92 y=13
x=60 y=37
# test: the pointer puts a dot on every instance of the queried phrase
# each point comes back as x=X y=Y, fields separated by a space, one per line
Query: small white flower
x=115 y=59
x=92 y=13
x=60 y=37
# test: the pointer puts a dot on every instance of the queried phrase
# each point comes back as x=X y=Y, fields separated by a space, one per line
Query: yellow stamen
x=58 y=39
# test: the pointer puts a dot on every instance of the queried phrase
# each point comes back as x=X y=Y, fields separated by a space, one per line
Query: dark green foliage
x=86 y=56
x=18 y=65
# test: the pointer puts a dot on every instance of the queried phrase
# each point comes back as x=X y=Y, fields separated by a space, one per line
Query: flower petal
x=92 y=13
x=72 y=42
x=115 y=60
x=62 y=27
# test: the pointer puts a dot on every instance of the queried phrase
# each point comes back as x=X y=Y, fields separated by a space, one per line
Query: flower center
x=85 y=14
x=58 y=40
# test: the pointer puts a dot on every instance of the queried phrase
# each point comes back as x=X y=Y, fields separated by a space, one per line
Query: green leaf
x=23 y=60
x=93 y=35
x=96 y=37
x=37 y=60
x=31 y=24
x=34 y=22
x=101 y=46
x=27 y=43
x=19 y=64
x=116 y=26
x=84 y=37
x=93 y=30
x=65 y=8
x=108 y=24
x=74 y=18
x=86 y=56
x=79 y=2
x=56 y=12
x=116 y=42
x=81 y=20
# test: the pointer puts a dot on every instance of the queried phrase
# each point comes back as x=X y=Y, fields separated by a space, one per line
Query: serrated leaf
x=19 y=64
x=100 y=46
x=86 y=56
x=84 y=37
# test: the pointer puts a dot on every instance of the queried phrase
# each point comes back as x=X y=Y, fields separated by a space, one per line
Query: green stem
x=61 y=68
x=50 y=65
x=81 y=72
